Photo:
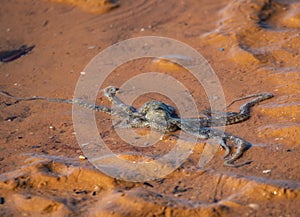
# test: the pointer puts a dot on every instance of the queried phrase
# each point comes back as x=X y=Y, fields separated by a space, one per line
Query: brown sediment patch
x=36 y=205
x=264 y=41
x=290 y=111
x=37 y=187
x=288 y=133
x=93 y=6
x=280 y=14
x=167 y=65
x=292 y=18
x=253 y=47
x=287 y=81
x=255 y=44
x=48 y=185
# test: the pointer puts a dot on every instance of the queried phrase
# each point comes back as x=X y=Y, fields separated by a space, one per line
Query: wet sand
x=253 y=47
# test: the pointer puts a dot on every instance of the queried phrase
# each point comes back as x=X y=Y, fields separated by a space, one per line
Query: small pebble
x=82 y=73
x=221 y=49
x=266 y=171
x=278 y=138
x=2 y=200
x=97 y=188
x=253 y=205
x=142 y=29
x=81 y=157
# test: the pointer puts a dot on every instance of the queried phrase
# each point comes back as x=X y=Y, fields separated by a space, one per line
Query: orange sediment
x=93 y=6
x=253 y=47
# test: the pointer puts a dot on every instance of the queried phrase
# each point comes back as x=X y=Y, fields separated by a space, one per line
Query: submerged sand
x=252 y=45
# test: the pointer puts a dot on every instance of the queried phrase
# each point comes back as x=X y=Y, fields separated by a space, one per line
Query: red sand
x=253 y=46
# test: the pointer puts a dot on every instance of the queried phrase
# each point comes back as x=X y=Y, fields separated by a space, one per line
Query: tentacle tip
x=230 y=164
x=225 y=157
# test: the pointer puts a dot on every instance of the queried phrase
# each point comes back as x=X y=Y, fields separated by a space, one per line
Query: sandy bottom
x=253 y=46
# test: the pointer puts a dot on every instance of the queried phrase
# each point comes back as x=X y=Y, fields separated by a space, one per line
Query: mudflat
x=253 y=47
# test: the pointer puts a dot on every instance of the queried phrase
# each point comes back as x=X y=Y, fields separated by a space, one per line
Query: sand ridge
x=253 y=46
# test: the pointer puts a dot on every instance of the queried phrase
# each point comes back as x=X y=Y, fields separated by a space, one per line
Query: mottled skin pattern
x=163 y=118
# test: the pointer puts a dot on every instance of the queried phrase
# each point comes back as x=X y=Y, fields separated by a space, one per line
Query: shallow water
x=252 y=45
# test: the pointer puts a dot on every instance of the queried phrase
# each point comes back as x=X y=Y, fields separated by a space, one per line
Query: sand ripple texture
x=92 y=6
x=267 y=36
x=54 y=186
x=260 y=37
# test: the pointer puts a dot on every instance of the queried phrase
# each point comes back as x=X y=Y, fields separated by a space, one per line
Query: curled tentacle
x=78 y=102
